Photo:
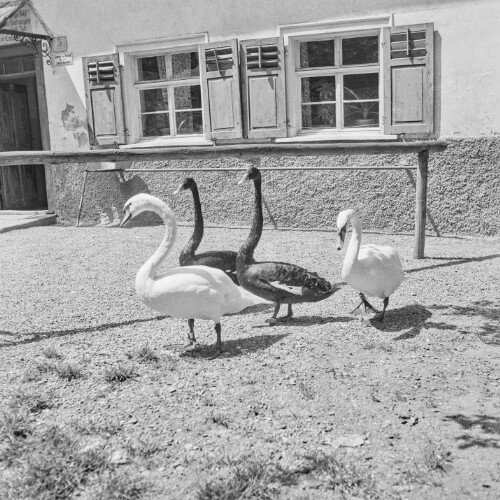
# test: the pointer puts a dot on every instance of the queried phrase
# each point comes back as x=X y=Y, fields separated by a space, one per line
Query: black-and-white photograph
x=249 y=249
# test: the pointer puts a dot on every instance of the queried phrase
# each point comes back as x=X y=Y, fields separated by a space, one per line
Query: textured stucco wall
x=463 y=194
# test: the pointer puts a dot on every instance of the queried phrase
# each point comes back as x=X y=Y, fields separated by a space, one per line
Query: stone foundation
x=463 y=191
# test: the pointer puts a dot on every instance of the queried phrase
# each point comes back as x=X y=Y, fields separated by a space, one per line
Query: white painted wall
x=467 y=66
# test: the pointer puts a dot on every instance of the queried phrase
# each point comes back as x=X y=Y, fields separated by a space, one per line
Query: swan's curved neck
x=195 y=240
x=245 y=255
x=354 y=244
x=148 y=270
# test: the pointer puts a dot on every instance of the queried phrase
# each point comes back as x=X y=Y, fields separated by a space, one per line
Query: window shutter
x=220 y=81
x=263 y=75
x=103 y=95
x=409 y=77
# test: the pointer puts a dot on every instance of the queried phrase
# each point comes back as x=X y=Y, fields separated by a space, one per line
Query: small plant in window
x=326 y=92
x=364 y=112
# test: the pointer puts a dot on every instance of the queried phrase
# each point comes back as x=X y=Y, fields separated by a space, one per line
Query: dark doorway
x=21 y=186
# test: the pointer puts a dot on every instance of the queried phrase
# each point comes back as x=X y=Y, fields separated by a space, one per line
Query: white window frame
x=130 y=53
x=293 y=35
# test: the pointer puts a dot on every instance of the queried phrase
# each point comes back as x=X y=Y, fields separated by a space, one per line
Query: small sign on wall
x=63 y=59
x=59 y=44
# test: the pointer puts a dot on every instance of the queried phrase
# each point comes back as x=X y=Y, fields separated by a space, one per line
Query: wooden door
x=20 y=186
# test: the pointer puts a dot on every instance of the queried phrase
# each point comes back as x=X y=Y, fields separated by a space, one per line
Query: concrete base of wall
x=463 y=191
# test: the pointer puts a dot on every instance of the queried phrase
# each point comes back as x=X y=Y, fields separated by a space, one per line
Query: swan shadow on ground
x=38 y=336
x=410 y=318
x=456 y=261
x=306 y=321
x=236 y=347
x=488 y=424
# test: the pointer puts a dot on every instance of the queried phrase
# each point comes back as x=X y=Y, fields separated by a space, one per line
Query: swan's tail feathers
x=238 y=302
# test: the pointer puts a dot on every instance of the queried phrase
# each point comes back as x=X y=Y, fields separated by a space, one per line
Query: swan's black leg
x=218 y=342
x=191 y=338
x=272 y=321
x=367 y=304
x=380 y=316
x=289 y=314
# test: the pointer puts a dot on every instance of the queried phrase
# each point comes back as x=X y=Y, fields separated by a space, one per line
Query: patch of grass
x=119 y=373
x=341 y=474
x=51 y=468
x=306 y=390
x=52 y=353
x=250 y=478
x=219 y=419
x=146 y=355
x=118 y=485
x=68 y=371
x=33 y=402
x=93 y=426
x=144 y=448
x=433 y=462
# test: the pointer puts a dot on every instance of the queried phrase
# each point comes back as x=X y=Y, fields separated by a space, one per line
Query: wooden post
x=81 y=198
x=421 y=204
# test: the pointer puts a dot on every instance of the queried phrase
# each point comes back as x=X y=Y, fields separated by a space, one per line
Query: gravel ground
x=413 y=406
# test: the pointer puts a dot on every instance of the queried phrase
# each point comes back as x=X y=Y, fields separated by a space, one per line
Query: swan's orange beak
x=244 y=178
x=179 y=189
x=126 y=217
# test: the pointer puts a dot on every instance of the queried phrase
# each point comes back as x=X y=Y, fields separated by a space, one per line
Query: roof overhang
x=8 y=10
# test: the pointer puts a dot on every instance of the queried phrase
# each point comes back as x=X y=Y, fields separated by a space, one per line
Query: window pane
x=318 y=89
x=360 y=50
x=189 y=122
x=361 y=88
x=154 y=100
x=357 y=87
x=188 y=97
x=318 y=116
x=155 y=125
x=152 y=68
x=317 y=53
x=185 y=65
x=361 y=114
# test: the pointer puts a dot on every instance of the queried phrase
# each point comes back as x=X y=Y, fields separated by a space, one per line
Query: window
x=364 y=80
x=339 y=82
x=169 y=92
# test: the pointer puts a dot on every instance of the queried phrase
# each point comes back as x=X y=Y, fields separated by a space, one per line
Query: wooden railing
x=249 y=151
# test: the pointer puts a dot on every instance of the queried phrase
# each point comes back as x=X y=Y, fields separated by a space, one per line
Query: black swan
x=278 y=282
x=220 y=259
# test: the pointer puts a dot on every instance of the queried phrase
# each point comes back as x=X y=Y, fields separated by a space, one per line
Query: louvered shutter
x=103 y=95
x=263 y=75
x=409 y=79
x=220 y=81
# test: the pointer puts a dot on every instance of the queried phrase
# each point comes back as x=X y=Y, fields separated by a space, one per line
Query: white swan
x=189 y=292
x=373 y=270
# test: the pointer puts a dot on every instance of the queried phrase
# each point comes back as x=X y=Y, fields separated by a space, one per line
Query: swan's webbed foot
x=367 y=304
x=289 y=314
x=218 y=344
x=192 y=346
x=273 y=320
x=381 y=315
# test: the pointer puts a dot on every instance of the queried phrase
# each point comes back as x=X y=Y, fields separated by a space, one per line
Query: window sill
x=339 y=137
x=165 y=142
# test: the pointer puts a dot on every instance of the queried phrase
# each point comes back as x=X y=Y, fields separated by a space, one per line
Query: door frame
x=16 y=50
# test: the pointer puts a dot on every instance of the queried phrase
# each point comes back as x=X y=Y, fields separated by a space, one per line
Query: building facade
x=165 y=73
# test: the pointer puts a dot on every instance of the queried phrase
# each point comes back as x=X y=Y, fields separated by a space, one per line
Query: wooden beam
x=421 y=205
x=243 y=151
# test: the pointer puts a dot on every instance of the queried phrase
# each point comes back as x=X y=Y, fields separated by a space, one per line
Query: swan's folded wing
x=294 y=279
